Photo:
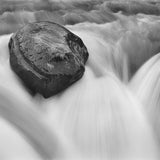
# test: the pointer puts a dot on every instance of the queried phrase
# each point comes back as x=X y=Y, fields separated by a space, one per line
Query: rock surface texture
x=47 y=57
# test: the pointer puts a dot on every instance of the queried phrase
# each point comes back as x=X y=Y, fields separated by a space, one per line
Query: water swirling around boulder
x=47 y=57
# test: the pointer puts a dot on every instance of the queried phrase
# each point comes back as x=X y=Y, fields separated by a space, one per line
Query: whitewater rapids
x=108 y=114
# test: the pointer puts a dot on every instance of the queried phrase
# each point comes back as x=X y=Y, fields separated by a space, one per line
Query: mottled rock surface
x=47 y=57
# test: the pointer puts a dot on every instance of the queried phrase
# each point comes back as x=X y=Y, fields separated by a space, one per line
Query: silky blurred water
x=112 y=113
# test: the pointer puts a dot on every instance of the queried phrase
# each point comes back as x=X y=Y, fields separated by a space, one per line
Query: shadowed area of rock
x=47 y=57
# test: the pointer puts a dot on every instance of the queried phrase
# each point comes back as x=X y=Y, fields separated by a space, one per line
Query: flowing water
x=112 y=113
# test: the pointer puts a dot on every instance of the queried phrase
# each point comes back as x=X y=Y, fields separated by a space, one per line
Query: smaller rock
x=47 y=57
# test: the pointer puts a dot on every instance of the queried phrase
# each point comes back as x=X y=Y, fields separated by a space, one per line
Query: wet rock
x=47 y=57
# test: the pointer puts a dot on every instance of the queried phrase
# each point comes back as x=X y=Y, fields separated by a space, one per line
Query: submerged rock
x=47 y=57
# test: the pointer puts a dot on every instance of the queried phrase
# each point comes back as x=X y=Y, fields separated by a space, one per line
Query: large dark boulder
x=47 y=57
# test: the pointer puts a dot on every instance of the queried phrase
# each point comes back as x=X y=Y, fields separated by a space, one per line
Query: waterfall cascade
x=112 y=113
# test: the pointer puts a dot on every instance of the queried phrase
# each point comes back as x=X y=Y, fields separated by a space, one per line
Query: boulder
x=47 y=57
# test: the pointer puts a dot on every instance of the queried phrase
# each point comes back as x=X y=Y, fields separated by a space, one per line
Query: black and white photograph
x=79 y=79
